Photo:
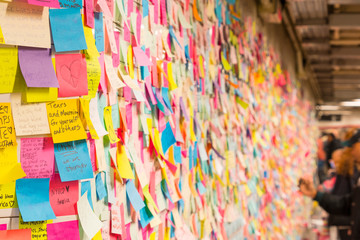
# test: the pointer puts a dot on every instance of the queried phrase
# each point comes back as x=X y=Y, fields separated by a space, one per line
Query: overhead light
x=328 y=107
x=350 y=104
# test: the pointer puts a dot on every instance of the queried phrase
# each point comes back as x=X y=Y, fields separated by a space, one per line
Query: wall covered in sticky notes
x=154 y=119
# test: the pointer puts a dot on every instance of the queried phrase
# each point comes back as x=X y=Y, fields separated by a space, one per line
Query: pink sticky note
x=89 y=13
x=63 y=230
x=72 y=75
x=102 y=77
x=129 y=116
x=37 y=157
x=116 y=56
x=141 y=58
x=104 y=8
x=63 y=196
x=46 y=3
x=163 y=12
x=127 y=31
x=156 y=11
x=130 y=7
x=3 y=227
x=138 y=25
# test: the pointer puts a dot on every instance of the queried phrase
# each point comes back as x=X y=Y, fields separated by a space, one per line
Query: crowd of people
x=339 y=189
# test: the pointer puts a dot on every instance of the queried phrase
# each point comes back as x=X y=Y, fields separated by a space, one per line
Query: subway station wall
x=152 y=119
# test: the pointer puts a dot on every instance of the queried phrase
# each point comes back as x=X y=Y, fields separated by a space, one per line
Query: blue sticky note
x=100 y=187
x=172 y=34
x=165 y=96
x=145 y=7
x=70 y=3
x=33 y=199
x=177 y=154
x=115 y=114
x=86 y=187
x=167 y=138
x=67 y=29
x=134 y=196
x=99 y=31
x=73 y=160
x=201 y=188
x=145 y=216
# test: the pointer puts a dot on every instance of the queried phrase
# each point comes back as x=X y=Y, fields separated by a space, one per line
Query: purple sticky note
x=37 y=68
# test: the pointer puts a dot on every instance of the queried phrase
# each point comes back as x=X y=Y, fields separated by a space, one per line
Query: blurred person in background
x=332 y=144
x=321 y=159
x=347 y=204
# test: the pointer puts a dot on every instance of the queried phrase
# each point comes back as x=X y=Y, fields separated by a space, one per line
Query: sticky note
x=33 y=199
x=70 y=3
x=100 y=187
x=95 y=118
x=63 y=196
x=145 y=216
x=141 y=58
x=64 y=121
x=116 y=218
x=17 y=234
x=63 y=230
x=7 y=129
x=86 y=189
x=3 y=227
x=111 y=73
x=124 y=164
x=37 y=157
x=7 y=196
x=10 y=168
x=167 y=138
x=36 y=67
x=99 y=31
x=90 y=223
x=29 y=119
x=72 y=75
x=35 y=95
x=130 y=61
x=73 y=160
x=38 y=228
x=134 y=196
x=18 y=28
x=8 y=67
x=67 y=29
x=177 y=154
x=109 y=125
x=89 y=13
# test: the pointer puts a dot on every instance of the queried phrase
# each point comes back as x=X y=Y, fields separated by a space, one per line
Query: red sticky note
x=72 y=75
x=63 y=196
x=19 y=234
x=46 y=3
x=63 y=230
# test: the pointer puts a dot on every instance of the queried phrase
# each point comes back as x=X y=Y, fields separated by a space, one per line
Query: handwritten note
x=38 y=228
x=109 y=125
x=29 y=119
x=70 y=3
x=73 y=160
x=37 y=157
x=64 y=121
x=89 y=221
x=18 y=234
x=36 y=67
x=33 y=199
x=63 y=230
x=25 y=25
x=8 y=67
x=7 y=129
x=63 y=196
x=116 y=218
x=72 y=75
x=67 y=29
x=7 y=196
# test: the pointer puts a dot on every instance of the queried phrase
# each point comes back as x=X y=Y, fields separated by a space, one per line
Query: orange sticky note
x=19 y=234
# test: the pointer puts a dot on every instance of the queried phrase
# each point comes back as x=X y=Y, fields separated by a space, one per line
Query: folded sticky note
x=33 y=199
x=73 y=160
x=134 y=196
x=90 y=223
x=67 y=29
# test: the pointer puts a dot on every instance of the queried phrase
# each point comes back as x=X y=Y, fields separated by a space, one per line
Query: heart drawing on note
x=72 y=73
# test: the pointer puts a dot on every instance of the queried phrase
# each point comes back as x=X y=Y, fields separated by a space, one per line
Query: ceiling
x=329 y=32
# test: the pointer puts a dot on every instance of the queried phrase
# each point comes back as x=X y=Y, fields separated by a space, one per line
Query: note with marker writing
x=72 y=75
x=10 y=168
x=70 y=3
x=64 y=121
x=66 y=36
x=63 y=230
x=89 y=221
x=63 y=196
x=8 y=67
x=37 y=157
x=7 y=129
x=73 y=160
x=36 y=67
x=7 y=196
x=33 y=199
x=29 y=119
x=38 y=228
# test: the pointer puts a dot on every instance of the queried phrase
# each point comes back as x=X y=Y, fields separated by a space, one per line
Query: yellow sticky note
x=7 y=129
x=41 y=94
x=172 y=83
x=8 y=67
x=201 y=63
x=247 y=190
x=225 y=63
x=64 y=121
x=90 y=42
x=153 y=236
x=86 y=112
x=38 y=228
x=259 y=191
x=130 y=62
x=191 y=128
x=2 y=39
x=124 y=164
x=7 y=196
x=109 y=125
x=157 y=142
x=98 y=236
